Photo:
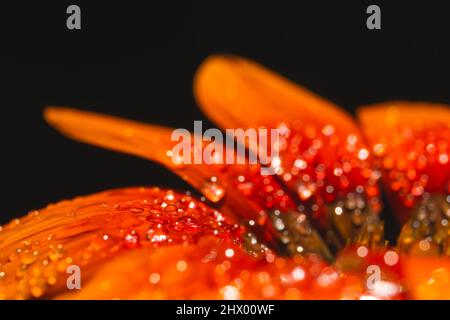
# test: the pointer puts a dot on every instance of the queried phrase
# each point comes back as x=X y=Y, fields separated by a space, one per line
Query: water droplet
x=28 y=257
x=185 y=224
x=37 y=291
x=171 y=208
x=136 y=210
x=213 y=191
x=131 y=240
x=181 y=265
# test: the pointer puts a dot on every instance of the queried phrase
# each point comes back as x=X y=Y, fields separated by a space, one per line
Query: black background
x=137 y=61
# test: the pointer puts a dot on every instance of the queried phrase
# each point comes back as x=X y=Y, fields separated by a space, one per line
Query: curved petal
x=411 y=144
x=147 y=243
x=238 y=93
x=241 y=191
x=322 y=158
x=36 y=250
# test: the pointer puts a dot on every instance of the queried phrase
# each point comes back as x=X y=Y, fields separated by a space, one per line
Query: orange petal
x=242 y=192
x=147 y=243
x=322 y=160
x=428 y=278
x=144 y=140
x=411 y=144
x=238 y=93
x=87 y=231
x=147 y=141
x=206 y=270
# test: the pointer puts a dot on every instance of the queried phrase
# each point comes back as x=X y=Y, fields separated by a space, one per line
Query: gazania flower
x=314 y=230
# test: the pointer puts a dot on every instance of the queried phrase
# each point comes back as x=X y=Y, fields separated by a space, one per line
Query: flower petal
x=243 y=194
x=238 y=93
x=146 y=243
x=411 y=144
x=322 y=158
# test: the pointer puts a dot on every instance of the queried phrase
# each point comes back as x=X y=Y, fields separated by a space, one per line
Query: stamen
x=427 y=232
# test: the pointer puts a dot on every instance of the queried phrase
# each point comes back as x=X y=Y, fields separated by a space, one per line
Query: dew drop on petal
x=213 y=191
x=131 y=240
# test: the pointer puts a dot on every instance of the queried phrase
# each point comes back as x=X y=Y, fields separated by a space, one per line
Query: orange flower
x=312 y=231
